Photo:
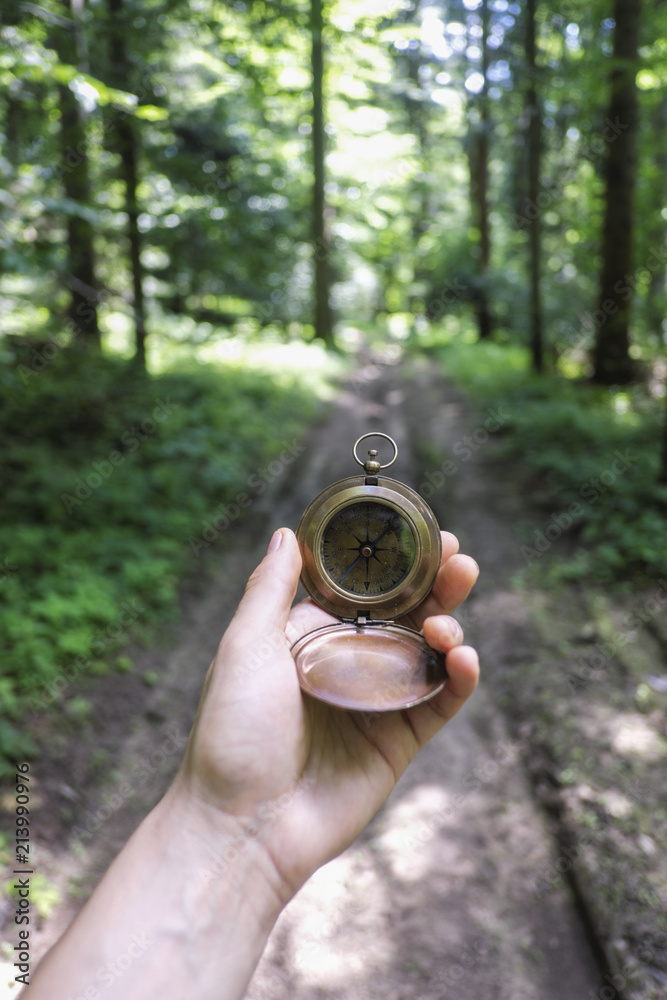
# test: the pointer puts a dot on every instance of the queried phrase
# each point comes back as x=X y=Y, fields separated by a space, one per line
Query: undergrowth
x=588 y=456
x=110 y=479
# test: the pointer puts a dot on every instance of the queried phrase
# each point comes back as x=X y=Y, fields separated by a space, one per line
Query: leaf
x=150 y=113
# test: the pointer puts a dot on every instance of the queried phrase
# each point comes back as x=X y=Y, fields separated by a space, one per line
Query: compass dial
x=368 y=548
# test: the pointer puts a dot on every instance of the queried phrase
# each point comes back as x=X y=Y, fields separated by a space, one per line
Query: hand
x=300 y=777
x=273 y=784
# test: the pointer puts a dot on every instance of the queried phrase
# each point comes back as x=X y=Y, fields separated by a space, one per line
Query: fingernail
x=275 y=542
x=454 y=629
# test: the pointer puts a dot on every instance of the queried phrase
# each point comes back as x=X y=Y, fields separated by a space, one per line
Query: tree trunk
x=75 y=180
x=612 y=362
x=479 y=188
x=655 y=300
x=126 y=145
x=534 y=157
x=321 y=248
x=13 y=116
x=417 y=109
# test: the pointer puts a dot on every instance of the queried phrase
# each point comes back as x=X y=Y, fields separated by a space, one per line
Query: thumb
x=271 y=588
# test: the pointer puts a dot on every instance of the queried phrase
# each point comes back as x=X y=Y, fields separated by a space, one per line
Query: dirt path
x=437 y=898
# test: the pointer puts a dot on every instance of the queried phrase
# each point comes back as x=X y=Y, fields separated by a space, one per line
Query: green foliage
x=78 y=709
x=109 y=476
x=566 y=442
x=44 y=894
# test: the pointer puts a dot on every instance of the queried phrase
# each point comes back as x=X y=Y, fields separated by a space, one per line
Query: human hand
x=302 y=778
x=273 y=784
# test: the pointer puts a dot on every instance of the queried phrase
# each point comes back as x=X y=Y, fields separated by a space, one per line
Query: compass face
x=368 y=549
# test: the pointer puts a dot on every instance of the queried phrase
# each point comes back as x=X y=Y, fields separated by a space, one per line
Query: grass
x=579 y=451
x=114 y=485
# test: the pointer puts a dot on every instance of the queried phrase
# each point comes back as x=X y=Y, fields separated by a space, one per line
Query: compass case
x=389 y=494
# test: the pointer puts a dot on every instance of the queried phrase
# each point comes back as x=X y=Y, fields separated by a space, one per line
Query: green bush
x=107 y=476
x=560 y=436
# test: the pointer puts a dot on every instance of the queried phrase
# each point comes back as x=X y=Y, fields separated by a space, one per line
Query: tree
x=76 y=184
x=612 y=362
x=534 y=128
x=321 y=244
x=480 y=128
x=127 y=147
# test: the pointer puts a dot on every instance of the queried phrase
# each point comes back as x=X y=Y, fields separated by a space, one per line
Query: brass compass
x=371 y=551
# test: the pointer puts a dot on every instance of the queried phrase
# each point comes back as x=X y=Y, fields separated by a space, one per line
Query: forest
x=215 y=214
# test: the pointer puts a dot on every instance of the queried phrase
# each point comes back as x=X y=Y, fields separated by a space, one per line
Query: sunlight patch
x=635 y=736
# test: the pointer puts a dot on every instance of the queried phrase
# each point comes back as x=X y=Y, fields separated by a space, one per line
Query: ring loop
x=374 y=434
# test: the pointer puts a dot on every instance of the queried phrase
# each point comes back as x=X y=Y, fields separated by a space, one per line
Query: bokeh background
x=221 y=225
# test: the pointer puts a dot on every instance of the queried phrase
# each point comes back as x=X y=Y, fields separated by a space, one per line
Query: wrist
x=223 y=887
x=221 y=853
x=185 y=910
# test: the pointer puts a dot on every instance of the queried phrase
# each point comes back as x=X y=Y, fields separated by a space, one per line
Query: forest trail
x=438 y=897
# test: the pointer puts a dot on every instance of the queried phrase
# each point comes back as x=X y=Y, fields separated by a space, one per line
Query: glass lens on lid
x=368 y=548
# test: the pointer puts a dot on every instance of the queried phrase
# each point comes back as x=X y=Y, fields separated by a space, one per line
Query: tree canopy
x=179 y=171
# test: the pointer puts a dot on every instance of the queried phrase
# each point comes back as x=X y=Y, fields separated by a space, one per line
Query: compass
x=371 y=551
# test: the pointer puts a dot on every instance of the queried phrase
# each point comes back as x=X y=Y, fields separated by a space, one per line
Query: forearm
x=185 y=910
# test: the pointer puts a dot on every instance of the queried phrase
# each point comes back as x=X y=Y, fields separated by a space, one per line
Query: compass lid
x=371 y=667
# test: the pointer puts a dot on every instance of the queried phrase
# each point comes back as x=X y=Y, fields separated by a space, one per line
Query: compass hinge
x=362 y=619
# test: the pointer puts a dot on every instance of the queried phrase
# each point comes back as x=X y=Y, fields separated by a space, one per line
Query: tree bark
x=612 y=362
x=655 y=300
x=76 y=185
x=479 y=188
x=533 y=112
x=127 y=147
x=321 y=245
x=13 y=115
